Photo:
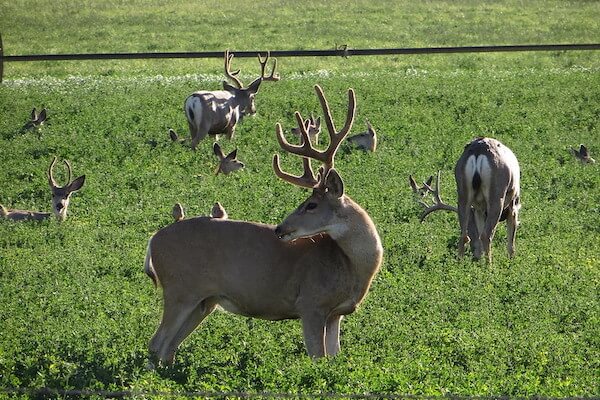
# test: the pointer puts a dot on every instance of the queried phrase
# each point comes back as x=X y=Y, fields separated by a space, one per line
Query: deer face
x=317 y=213
x=61 y=197
x=244 y=97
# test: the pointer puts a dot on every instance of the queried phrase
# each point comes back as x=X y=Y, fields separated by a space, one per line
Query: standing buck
x=61 y=196
x=487 y=178
x=316 y=266
x=218 y=112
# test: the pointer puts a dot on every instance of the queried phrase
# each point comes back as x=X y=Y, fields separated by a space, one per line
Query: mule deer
x=227 y=163
x=488 y=184
x=316 y=266
x=60 y=198
x=583 y=155
x=312 y=126
x=366 y=141
x=218 y=112
x=36 y=120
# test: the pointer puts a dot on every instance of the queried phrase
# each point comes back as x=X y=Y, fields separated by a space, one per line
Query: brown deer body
x=316 y=266
x=218 y=112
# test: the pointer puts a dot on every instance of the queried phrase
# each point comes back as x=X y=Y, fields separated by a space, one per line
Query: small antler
x=232 y=75
x=263 y=64
x=422 y=191
x=307 y=151
x=51 y=180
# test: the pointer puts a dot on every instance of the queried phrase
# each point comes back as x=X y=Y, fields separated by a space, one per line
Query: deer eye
x=311 y=206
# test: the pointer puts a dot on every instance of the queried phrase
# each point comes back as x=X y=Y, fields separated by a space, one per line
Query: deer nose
x=278 y=230
x=59 y=206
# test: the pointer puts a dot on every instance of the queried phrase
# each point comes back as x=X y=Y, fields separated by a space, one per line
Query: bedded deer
x=227 y=163
x=36 y=120
x=316 y=266
x=366 y=141
x=312 y=126
x=218 y=112
x=488 y=184
x=61 y=196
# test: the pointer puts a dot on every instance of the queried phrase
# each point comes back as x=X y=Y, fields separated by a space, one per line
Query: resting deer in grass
x=227 y=163
x=313 y=128
x=61 y=196
x=488 y=184
x=316 y=266
x=36 y=120
x=583 y=155
x=218 y=112
x=366 y=141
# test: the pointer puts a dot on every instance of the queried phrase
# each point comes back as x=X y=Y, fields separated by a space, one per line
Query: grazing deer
x=36 y=120
x=366 y=141
x=227 y=163
x=316 y=266
x=218 y=112
x=488 y=183
x=218 y=211
x=583 y=155
x=312 y=126
x=60 y=198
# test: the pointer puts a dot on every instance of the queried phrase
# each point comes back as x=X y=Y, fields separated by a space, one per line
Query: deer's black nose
x=59 y=206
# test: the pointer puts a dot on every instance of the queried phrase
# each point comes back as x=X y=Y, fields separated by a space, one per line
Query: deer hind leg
x=486 y=236
x=313 y=328
x=179 y=320
x=464 y=213
x=512 y=222
x=332 y=335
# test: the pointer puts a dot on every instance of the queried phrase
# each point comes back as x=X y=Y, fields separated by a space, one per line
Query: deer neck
x=357 y=237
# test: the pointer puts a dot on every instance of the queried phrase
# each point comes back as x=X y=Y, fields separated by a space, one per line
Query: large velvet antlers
x=308 y=152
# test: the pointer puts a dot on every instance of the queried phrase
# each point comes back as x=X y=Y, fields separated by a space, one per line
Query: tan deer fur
x=316 y=266
x=227 y=163
x=366 y=141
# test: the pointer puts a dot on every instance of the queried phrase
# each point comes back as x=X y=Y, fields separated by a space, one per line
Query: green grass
x=77 y=310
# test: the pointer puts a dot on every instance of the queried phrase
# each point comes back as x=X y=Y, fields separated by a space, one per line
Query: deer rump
x=479 y=174
x=213 y=109
x=264 y=278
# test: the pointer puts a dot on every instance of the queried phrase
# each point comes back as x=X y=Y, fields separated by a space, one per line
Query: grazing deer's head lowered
x=488 y=183
x=227 y=163
x=316 y=266
x=60 y=198
x=366 y=141
x=218 y=112
x=583 y=155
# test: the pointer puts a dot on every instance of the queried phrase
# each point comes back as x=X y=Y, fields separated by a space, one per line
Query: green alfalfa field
x=76 y=309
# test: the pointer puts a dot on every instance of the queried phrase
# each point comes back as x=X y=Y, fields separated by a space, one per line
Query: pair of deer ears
x=252 y=88
x=219 y=153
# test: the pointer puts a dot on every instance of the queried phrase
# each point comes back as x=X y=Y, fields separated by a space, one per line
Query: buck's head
x=61 y=195
x=245 y=95
x=321 y=212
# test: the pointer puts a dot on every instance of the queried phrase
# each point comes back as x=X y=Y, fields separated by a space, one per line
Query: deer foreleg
x=332 y=335
x=313 y=328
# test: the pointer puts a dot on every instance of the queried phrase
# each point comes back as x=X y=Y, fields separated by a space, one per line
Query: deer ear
x=334 y=184
x=229 y=88
x=232 y=155
x=217 y=150
x=253 y=88
x=76 y=184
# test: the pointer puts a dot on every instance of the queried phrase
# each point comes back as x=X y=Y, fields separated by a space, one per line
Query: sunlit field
x=78 y=311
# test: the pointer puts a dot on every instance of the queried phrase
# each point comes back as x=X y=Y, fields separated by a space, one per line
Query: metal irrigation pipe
x=342 y=51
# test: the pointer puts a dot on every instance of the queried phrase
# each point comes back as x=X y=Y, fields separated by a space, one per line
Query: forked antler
x=263 y=64
x=51 y=179
x=438 y=203
x=308 y=152
x=232 y=75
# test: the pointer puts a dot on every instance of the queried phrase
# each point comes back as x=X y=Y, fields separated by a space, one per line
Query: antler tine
x=51 y=180
x=228 y=73
x=263 y=65
x=335 y=137
x=69 y=172
x=437 y=198
x=305 y=149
